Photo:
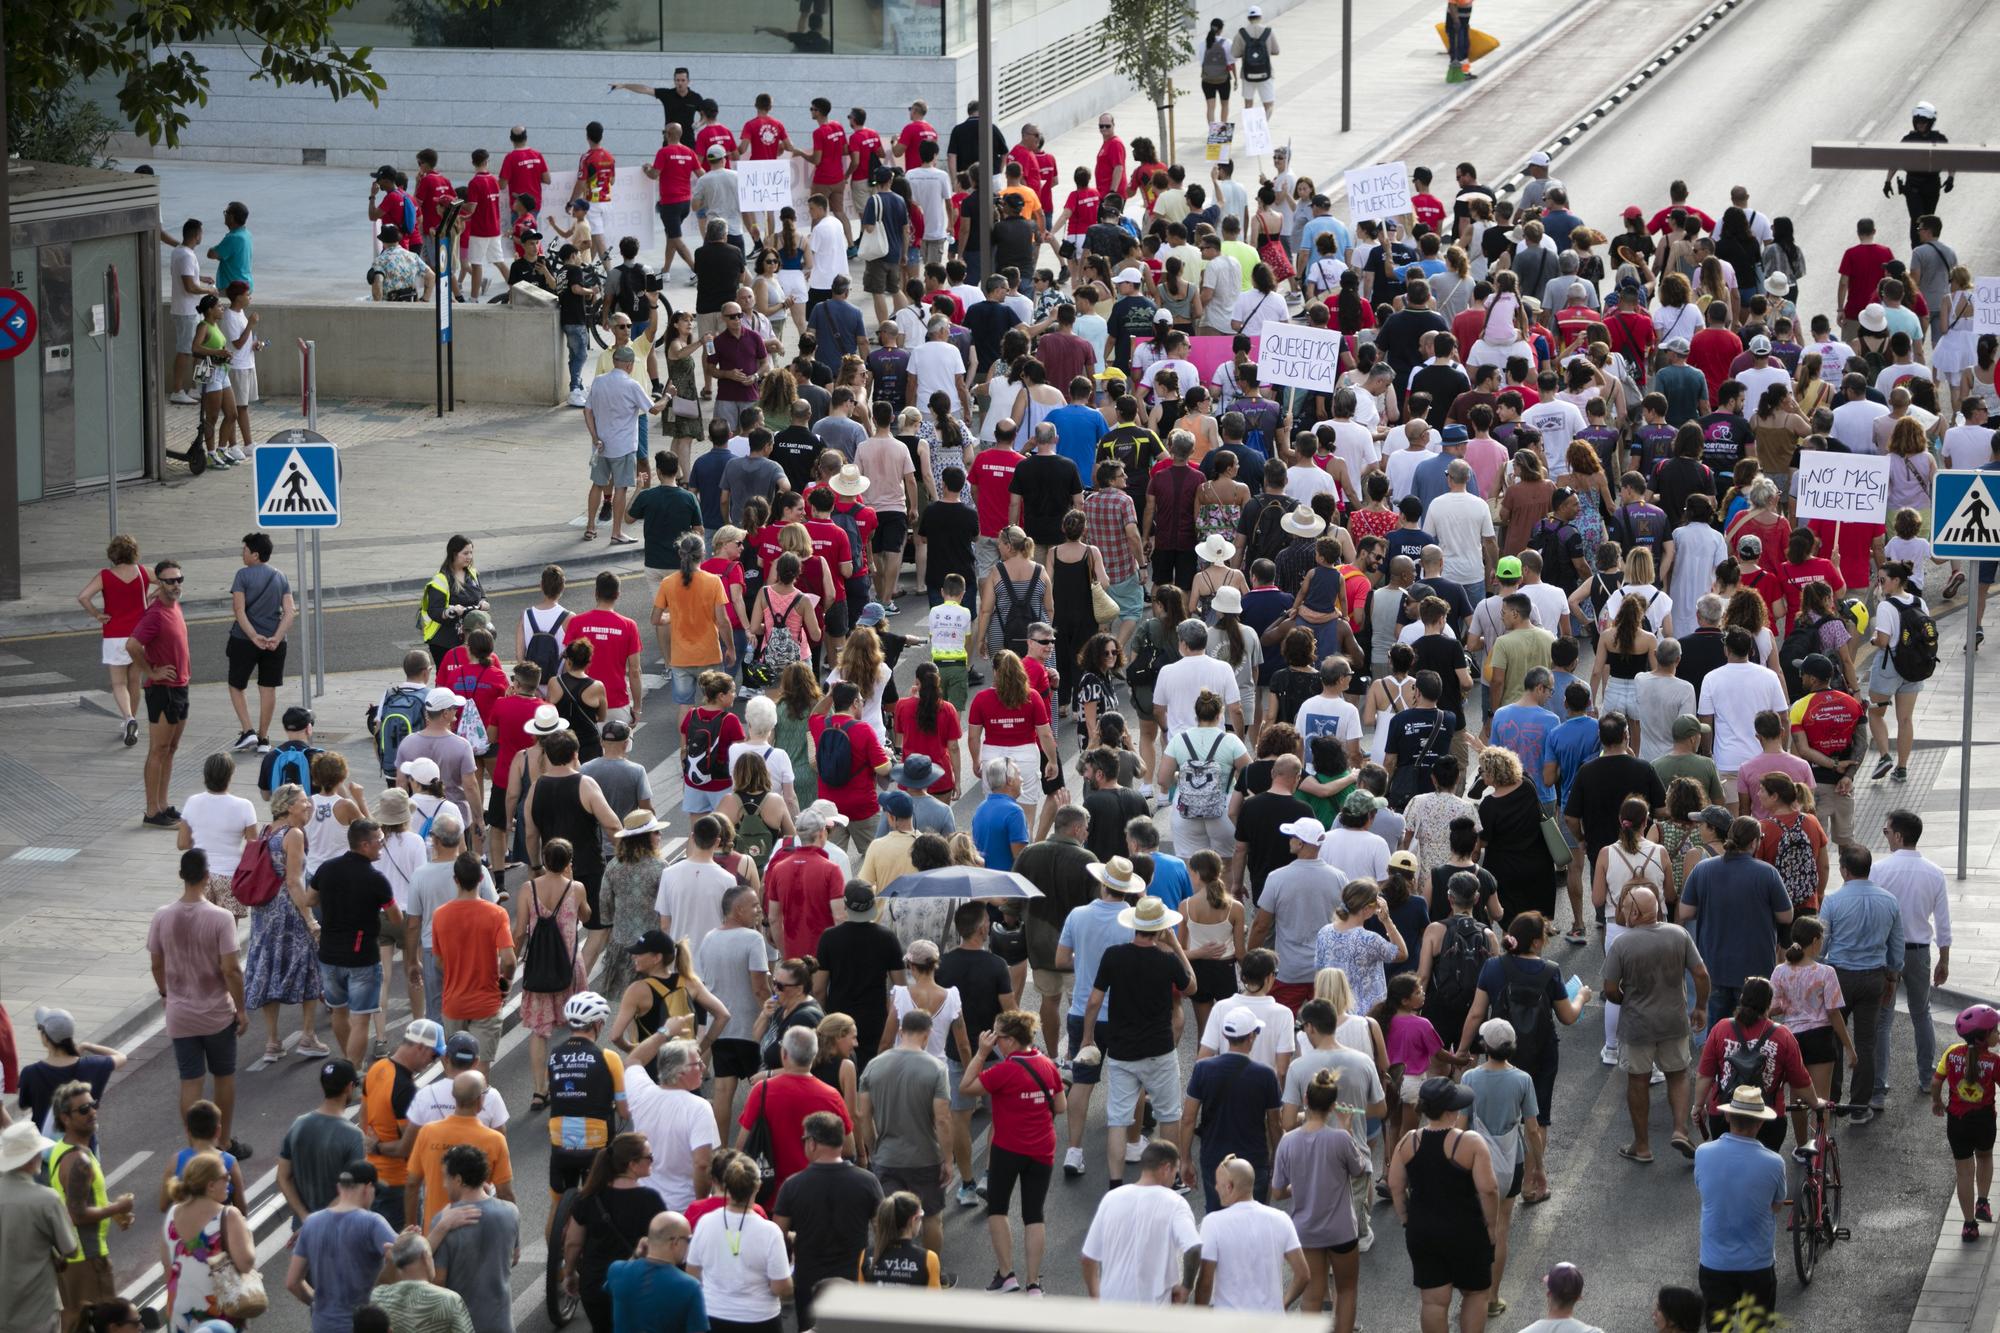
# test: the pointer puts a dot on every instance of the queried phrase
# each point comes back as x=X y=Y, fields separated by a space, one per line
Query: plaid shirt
x=1294 y=562
x=1106 y=513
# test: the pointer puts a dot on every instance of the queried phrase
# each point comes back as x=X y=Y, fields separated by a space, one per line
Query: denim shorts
x=1130 y=595
x=954 y=1071
x=358 y=990
x=1885 y=682
x=686 y=682
x=695 y=801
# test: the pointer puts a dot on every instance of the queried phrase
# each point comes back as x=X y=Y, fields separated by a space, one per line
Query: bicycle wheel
x=1805 y=1233
x=561 y=1305
x=1830 y=1166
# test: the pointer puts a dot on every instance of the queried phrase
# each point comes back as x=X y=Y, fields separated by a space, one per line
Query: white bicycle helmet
x=586 y=1009
x=1924 y=111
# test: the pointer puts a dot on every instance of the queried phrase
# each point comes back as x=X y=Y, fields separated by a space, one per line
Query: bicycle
x=1815 y=1223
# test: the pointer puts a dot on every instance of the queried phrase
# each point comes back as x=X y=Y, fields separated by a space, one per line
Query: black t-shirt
x=1257 y=829
x=796 y=450
x=814 y=393
x=1400 y=335
x=1140 y=983
x=1601 y=786
x=569 y=305
x=1131 y=317
x=1110 y=809
x=829 y=1207
x=1560 y=545
x=352 y=894
x=1107 y=239
x=1410 y=739
x=680 y=109
x=1444 y=384
x=982 y=978
x=886 y=365
x=1013 y=244
x=951 y=530
x=1446 y=656
x=988 y=321
x=613 y=1222
x=1138 y=448
x=1489 y=889
x=1236 y=1094
x=1458 y=606
x=963 y=144
x=857 y=957
x=1048 y=487
x=1701 y=652
x=718 y=271
x=1678 y=478
x=1724 y=436
x=1406 y=541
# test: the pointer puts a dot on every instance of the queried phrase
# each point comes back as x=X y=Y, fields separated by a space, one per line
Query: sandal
x=1530 y=1200
x=623 y=540
x=1684 y=1146
x=590 y=534
x=1576 y=936
x=539 y=1102
x=274 y=1051
x=1626 y=1152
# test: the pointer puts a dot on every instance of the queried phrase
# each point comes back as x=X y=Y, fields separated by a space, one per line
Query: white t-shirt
x=826 y=254
x=930 y=191
x=1248 y=1242
x=1968 y=446
x=434 y=1102
x=949 y=624
x=1182 y=681
x=776 y=761
x=1558 y=421
x=1733 y=694
x=218 y=820
x=1357 y=853
x=678 y=1124
x=1221 y=284
x=1186 y=373
x=244 y=357
x=1255 y=309
x=935 y=367
x=1756 y=379
x=740 y=1255
x=1276 y=1039
x=690 y=897
x=1892 y=375
x=1854 y=425
x=1461 y=522
x=1137 y=1238
x=1550 y=606
x=871 y=707
x=1401 y=467
x=1833 y=356
x=183 y=263
x=403 y=855
x=1304 y=482
x=1354 y=444
x=1658 y=604
x=1319 y=715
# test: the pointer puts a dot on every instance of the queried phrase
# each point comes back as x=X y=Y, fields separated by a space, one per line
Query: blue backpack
x=401 y=712
x=292 y=763
x=835 y=759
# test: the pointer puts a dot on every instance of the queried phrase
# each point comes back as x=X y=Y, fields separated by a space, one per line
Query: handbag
x=874 y=243
x=1557 y=844
x=757 y=1147
x=240 y=1296
x=1102 y=607
x=684 y=407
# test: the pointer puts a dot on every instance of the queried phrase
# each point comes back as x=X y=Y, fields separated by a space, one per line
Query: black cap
x=653 y=941
x=387 y=169
x=391 y=234
x=336 y=1076
x=615 y=730
x=1439 y=1095
x=358 y=1173
x=297 y=718
x=1817 y=665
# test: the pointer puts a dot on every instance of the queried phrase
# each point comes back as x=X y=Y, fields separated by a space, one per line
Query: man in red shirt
x=159 y=648
x=1714 y=348
x=390 y=204
x=614 y=650
x=868 y=768
x=524 y=169
x=433 y=193
x=828 y=156
x=712 y=131
x=1677 y=195
x=1110 y=156
x=482 y=225
x=864 y=150
x=674 y=167
x=801 y=885
x=508 y=727
x=1861 y=269
x=992 y=479
x=784 y=1100
x=595 y=172
x=1630 y=329
x=914 y=135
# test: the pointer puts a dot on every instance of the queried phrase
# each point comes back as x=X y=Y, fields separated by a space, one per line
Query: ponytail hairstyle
x=1206 y=867
x=1634 y=817
x=1229 y=624
x=690 y=552
x=479 y=646
x=1806 y=932
x=1111 y=731
x=892 y=1215
x=1753 y=1003
x=612 y=1161
x=1524 y=932
x=1630 y=620
x=929 y=694
x=1401 y=987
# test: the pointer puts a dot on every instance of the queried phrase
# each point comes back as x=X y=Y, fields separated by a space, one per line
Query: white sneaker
x=1609 y=1055
x=235 y=451
x=1073 y=1162
x=1146 y=790
x=1365 y=1242
x=1655 y=1079
x=183 y=397
x=576 y=398
x=1133 y=1150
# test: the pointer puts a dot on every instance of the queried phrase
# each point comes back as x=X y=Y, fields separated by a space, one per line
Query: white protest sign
x=1851 y=488
x=629 y=211
x=1256 y=131
x=1380 y=191
x=766 y=186
x=1302 y=357
x=1986 y=306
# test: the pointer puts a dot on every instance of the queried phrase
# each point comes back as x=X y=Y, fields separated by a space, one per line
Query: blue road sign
x=17 y=323
x=1967 y=525
x=298 y=486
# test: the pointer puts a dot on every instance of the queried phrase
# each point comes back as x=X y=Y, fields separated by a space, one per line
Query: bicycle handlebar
x=1839 y=1108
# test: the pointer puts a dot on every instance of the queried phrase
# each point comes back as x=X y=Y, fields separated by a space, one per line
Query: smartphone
x=1575 y=988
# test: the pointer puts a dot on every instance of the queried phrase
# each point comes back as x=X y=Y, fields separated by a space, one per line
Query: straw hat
x=1303 y=522
x=1116 y=874
x=848 y=481
x=1149 y=914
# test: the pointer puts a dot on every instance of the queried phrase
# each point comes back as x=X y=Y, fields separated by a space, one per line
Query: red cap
x=1633 y=211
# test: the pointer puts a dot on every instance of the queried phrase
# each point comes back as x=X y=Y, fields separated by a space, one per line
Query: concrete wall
x=368 y=349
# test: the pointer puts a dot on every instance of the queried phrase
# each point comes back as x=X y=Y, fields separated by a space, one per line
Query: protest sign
x=1219 y=136
x=1256 y=132
x=1986 y=306
x=1301 y=357
x=1380 y=191
x=765 y=187
x=1852 y=488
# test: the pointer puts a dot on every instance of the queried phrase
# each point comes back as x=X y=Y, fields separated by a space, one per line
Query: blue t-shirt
x=1429 y=481
x=1736 y=899
x=232 y=259
x=648 y=1297
x=1524 y=728
x=838 y=327
x=1078 y=429
x=1237 y=1094
x=997 y=825
x=706 y=478
x=1739 y=1180
x=1171 y=883
x=343 y=1254
x=1571 y=745
x=1088 y=931
x=1309 y=234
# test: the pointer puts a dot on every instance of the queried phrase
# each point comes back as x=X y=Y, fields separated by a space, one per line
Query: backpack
x=1020 y=612
x=1914 y=654
x=781 y=641
x=1799 y=641
x=1795 y=862
x=631 y=282
x=1268 y=536
x=1143 y=670
x=1550 y=541
x=549 y=965
x=472 y=729
x=544 y=644
x=1455 y=972
x=401 y=713
x=1215 y=62
x=1743 y=1067
x=754 y=837
x=256 y=880
x=1524 y=1002
x=289 y=764
x=704 y=734
x=1256 y=63
x=429 y=820
x=834 y=758
x=1635 y=877
x=1199 y=792
x=857 y=582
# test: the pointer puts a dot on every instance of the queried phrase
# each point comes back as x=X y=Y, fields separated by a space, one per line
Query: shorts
x=1003 y=1168
x=922 y=1181
x=673 y=217
x=496 y=808
x=358 y=990
x=243 y=384
x=1642 y=1057
x=244 y=657
x=600 y=222
x=1969 y=1134
x=954 y=680
x=184 y=331
x=1817 y=1046
x=792 y=282
x=114 y=652
x=1158 y=1076
x=734 y=1057
x=388 y=1206
x=216 y=1054
x=167 y=703
x=567 y=1168
x=1266 y=90
x=892 y=531
x=882 y=277
x=1885 y=683
x=1412 y=1083
x=485 y=251
x=1835 y=811
x=695 y=801
x=708 y=325
x=1214 y=980
x=686 y=682
x=1130 y=595
x=1461 y=1261
x=1082 y=1075
x=620 y=472
x=487 y=1030
x=1220 y=90
x=1989 y=571
x=955 y=1074
x=838 y=622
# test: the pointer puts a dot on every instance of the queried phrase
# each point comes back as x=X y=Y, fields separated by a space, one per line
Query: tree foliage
x=1147 y=40
x=66 y=129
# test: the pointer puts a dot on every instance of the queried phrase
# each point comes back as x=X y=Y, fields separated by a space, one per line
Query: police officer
x=1920 y=189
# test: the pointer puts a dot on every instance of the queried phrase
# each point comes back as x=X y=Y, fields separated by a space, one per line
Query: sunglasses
x=1104 y=125
x=176 y=582
x=1044 y=643
x=732 y=316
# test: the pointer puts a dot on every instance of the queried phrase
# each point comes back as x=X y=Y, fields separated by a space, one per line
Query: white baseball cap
x=1538 y=159
x=1130 y=275
x=441 y=697
x=1307 y=830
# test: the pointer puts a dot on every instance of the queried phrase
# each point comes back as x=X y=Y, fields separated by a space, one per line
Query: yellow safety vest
x=438 y=582
x=97 y=1198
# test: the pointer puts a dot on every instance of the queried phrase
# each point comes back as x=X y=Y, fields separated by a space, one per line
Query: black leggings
x=1003 y=1168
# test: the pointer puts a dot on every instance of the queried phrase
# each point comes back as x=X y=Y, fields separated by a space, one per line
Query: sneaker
x=892 y=609
x=131 y=736
x=246 y=741
x=1970 y=1231
x=967 y=1196
x=1899 y=774
x=160 y=820
x=1003 y=1282
x=980 y=1188
x=264 y=745
x=1880 y=1101
x=1146 y=790
x=1655 y=1079
x=1982 y=1211
x=1180 y=1183
x=1861 y=1116
x=184 y=398
x=1032 y=1289
x=172 y=812
x=1365 y=1242
x=236 y=454
x=1608 y=1056
x=1072 y=1165
x=241 y=1151
x=973 y=677
x=1882 y=767
x=1132 y=1151
x=576 y=398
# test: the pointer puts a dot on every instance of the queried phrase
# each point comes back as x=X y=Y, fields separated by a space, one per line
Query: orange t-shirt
x=467 y=935
x=693 y=638
x=435 y=1139
x=385 y=1108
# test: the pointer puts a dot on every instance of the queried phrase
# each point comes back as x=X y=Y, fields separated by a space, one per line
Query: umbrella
x=961 y=882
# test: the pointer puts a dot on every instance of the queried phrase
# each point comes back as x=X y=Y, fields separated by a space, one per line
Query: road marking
x=125 y=1168
x=1812 y=193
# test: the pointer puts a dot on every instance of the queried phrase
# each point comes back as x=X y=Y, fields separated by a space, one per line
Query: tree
x=1147 y=40
x=66 y=130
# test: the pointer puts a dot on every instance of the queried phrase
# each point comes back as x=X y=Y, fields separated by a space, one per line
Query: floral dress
x=944 y=456
x=282 y=963
x=1428 y=817
x=627 y=895
x=190 y=1292
x=1215 y=519
x=681 y=383
x=1361 y=954
x=541 y=1013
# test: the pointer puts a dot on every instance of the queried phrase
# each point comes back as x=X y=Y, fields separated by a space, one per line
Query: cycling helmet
x=586 y=1009
x=1924 y=111
x=1977 y=1019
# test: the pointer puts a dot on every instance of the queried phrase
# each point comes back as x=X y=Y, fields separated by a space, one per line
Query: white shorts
x=1027 y=758
x=243 y=384
x=486 y=251
x=115 y=654
x=1265 y=89
x=600 y=222
x=792 y=282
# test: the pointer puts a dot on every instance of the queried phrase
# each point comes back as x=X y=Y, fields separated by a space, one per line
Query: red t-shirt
x=677 y=166
x=1782 y=1065
x=595 y=171
x=392 y=208
x=764 y=542
x=805 y=883
x=1111 y=165
x=701 y=1208
x=1664 y=218
x=1773 y=532
x=829 y=540
x=482 y=192
x=727 y=733
x=508 y=727
x=957 y=306
x=522 y=170
x=484 y=685
x=433 y=190
x=1863 y=266
x=1082 y=209
x=731 y=574
x=713 y=134
x=1024 y=1119
x=1828 y=718
x=1001 y=725
x=939 y=744
x=763 y=135
x=864 y=150
x=992 y=477
x=613 y=639
x=786 y=1100
x=1467 y=325
x=830 y=142
x=1039 y=682
x=1971 y=1077
x=1575 y=321
x=163 y=634
x=857 y=799
x=1044 y=178
x=1711 y=351
x=910 y=138
x=1429 y=210
x=1797 y=576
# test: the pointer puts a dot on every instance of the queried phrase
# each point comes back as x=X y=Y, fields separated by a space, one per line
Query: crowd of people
x=1328 y=722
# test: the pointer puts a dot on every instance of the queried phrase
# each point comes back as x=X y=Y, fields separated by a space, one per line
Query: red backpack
x=256 y=880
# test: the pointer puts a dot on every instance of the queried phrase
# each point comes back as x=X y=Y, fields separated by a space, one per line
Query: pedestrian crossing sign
x=1968 y=516
x=298 y=486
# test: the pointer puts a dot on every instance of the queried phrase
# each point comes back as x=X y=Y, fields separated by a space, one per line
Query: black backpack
x=1268 y=536
x=631 y=282
x=1550 y=541
x=1744 y=1066
x=1524 y=1002
x=1020 y=612
x=1914 y=653
x=834 y=761
x=1455 y=973
x=1799 y=641
x=1256 y=54
x=548 y=965
x=545 y=644
x=698 y=749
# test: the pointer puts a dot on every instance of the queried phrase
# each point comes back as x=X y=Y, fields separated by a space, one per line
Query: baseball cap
x=897 y=804
x=1538 y=159
x=462 y=1049
x=1257 y=12
x=1749 y=544
x=1130 y=275
x=1687 y=724
x=871 y=614
x=1678 y=346
x=1817 y=665
x=425 y=1032
x=1507 y=569
x=1760 y=345
x=653 y=941
x=859 y=900
x=423 y=770
x=358 y=1173
x=717 y=150
x=1633 y=211
x=297 y=718
x=879 y=176
x=56 y=1024
x=1716 y=817
x=337 y=1076
x=442 y=697
x=1496 y=1032
x=1307 y=830
x=615 y=730
x=1438 y=1095
x=1239 y=1023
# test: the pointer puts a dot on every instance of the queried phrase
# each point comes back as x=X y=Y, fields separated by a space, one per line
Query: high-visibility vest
x=97 y=1198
